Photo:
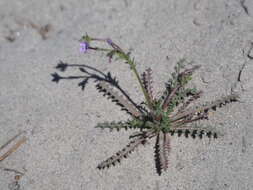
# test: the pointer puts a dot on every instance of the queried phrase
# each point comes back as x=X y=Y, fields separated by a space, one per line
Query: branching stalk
x=128 y=61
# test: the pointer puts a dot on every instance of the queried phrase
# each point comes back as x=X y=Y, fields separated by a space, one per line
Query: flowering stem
x=133 y=67
x=126 y=57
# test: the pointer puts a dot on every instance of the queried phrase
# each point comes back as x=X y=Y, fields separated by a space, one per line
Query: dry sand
x=63 y=147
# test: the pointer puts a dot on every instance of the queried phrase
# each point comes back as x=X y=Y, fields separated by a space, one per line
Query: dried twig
x=13 y=147
x=12 y=170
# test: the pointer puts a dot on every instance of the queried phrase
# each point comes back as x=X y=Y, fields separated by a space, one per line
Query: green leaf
x=86 y=38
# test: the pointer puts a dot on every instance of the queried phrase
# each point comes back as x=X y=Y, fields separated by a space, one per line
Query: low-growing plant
x=156 y=117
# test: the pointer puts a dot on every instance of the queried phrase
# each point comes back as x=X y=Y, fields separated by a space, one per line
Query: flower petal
x=84 y=46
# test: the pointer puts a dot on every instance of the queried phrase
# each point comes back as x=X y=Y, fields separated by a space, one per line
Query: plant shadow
x=89 y=74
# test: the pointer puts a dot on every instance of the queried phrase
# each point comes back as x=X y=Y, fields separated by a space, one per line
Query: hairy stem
x=133 y=67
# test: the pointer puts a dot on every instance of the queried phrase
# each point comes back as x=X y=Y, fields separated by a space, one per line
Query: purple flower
x=84 y=46
x=109 y=41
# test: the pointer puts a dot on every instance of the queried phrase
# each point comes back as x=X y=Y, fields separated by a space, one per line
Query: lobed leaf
x=119 y=99
x=193 y=98
x=166 y=150
x=141 y=139
x=175 y=91
x=206 y=107
x=130 y=124
x=162 y=149
x=194 y=132
x=148 y=82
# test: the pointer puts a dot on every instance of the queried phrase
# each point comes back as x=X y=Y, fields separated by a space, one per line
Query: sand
x=63 y=148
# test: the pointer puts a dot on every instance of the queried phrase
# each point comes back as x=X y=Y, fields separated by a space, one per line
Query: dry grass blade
x=12 y=170
x=11 y=146
x=9 y=141
x=125 y=104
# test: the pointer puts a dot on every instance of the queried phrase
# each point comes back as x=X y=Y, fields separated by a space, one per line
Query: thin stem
x=100 y=49
x=131 y=63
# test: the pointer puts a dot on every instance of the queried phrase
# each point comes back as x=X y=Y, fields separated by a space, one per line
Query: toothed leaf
x=119 y=99
x=206 y=107
x=195 y=132
x=166 y=149
x=125 y=151
x=148 y=82
x=162 y=149
x=130 y=124
x=193 y=98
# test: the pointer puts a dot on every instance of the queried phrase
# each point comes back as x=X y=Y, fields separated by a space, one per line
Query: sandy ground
x=63 y=147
